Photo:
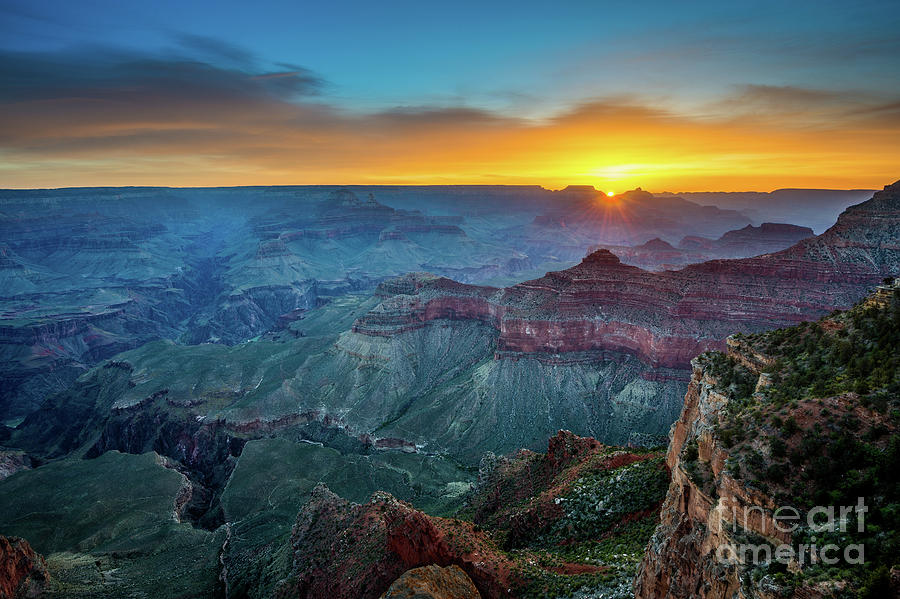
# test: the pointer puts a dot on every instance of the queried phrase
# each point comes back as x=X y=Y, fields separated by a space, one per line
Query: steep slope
x=601 y=347
x=341 y=549
x=784 y=465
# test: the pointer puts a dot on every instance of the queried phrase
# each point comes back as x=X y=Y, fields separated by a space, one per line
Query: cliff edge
x=785 y=465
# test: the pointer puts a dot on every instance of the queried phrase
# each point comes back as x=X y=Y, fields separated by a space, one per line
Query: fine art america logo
x=821 y=537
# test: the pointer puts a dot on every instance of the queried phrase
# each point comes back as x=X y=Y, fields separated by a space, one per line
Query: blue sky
x=532 y=58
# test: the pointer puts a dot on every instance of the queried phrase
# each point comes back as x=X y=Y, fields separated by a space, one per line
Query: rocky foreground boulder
x=433 y=582
x=343 y=550
x=535 y=525
x=23 y=573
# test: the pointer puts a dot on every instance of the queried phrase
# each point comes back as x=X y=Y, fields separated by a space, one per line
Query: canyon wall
x=665 y=318
x=785 y=425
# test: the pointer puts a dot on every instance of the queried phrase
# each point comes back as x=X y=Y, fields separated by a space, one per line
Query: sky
x=678 y=96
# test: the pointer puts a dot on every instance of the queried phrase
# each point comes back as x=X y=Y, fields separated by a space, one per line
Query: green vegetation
x=823 y=430
x=860 y=353
x=618 y=553
x=599 y=500
x=108 y=528
x=576 y=528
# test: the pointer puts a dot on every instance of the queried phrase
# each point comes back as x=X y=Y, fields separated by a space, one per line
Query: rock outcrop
x=680 y=560
x=769 y=432
x=528 y=495
x=23 y=573
x=534 y=523
x=12 y=462
x=433 y=582
x=344 y=550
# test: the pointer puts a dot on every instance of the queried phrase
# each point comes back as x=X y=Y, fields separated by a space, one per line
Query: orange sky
x=612 y=145
x=760 y=139
x=702 y=96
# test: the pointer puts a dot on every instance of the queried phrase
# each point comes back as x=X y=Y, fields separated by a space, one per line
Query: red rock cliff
x=344 y=550
x=664 y=318
x=695 y=520
x=23 y=573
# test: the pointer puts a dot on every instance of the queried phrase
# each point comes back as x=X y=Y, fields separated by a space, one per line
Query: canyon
x=90 y=272
x=658 y=254
x=229 y=360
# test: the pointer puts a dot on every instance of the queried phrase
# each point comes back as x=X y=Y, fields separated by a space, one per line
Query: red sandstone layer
x=664 y=318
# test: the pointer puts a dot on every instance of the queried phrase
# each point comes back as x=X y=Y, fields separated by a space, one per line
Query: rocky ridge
x=659 y=255
x=665 y=318
x=751 y=450
x=379 y=541
x=493 y=541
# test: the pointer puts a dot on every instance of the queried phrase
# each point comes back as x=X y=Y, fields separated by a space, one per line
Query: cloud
x=432 y=117
x=212 y=116
x=113 y=74
x=884 y=114
x=215 y=49
x=774 y=96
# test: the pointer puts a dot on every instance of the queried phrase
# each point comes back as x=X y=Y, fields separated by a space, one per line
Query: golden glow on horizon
x=622 y=147
x=610 y=193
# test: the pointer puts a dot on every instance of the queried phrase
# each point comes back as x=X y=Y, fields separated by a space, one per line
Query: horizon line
x=368 y=185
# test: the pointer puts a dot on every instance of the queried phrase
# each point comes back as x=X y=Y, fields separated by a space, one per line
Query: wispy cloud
x=209 y=114
x=216 y=50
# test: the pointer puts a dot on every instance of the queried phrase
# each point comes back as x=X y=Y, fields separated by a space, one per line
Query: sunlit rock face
x=23 y=573
x=748 y=467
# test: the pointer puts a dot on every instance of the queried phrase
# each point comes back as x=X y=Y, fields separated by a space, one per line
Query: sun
x=610 y=193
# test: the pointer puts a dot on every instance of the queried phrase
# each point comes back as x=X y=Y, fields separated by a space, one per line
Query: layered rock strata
x=664 y=318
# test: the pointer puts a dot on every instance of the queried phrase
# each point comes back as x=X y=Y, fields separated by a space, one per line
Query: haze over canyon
x=218 y=346
x=468 y=300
